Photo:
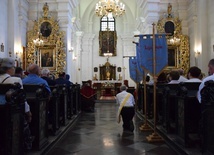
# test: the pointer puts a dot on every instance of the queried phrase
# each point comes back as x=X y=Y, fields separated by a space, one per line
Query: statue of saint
x=45 y=9
x=108 y=75
x=169 y=10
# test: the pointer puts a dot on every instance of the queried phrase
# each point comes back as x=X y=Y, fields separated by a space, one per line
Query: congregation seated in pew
x=7 y=70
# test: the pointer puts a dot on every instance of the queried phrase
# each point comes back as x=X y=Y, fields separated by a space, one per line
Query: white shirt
x=174 y=82
x=182 y=79
x=13 y=80
x=122 y=95
x=211 y=77
x=193 y=80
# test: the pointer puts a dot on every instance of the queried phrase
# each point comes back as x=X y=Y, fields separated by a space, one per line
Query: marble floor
x=98 y=133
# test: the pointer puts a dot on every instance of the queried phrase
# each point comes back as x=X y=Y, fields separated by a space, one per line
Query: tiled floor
x=99 y=134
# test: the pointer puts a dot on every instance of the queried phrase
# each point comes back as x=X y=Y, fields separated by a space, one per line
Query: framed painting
x=107 y=42
x=47 y=58
x=172 y=57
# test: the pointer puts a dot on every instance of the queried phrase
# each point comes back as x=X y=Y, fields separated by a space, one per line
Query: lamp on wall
x=197 y=53
x=109 y=8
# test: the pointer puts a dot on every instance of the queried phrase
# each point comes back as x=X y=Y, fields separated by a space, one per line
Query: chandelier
x=38 y=41
x=110 y=8
x=107 y=54
x=174 y=40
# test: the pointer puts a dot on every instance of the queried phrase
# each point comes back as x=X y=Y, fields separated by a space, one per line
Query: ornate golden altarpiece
x=107 y=71
x=49 y=54
x=108 y=42
x=178 y=44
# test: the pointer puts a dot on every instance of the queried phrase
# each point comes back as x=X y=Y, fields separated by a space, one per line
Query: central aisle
x=99 y=134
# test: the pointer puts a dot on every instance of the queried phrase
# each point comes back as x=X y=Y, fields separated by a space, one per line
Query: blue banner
x=146 y=53
x=136 y=73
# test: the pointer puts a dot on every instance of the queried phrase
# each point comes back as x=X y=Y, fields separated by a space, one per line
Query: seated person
x=87 y=98
x=61 y=80
x=33 y=77
x=18 y=72
x=161 y=78
x=45 y=75
x=174 y=77
x=194 y=74
x=67 y=77
x=7 y=69
x=181 y=78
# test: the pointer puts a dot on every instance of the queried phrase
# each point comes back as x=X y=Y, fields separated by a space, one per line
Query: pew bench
x=207 y=121
x=189 y=113
x=37 y=98
x=12 y=119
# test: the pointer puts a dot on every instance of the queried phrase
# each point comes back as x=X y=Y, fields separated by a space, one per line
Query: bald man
x=127 y=102
x=33 y=77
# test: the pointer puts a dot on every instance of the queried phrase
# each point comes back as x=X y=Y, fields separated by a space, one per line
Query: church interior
x=93 y=41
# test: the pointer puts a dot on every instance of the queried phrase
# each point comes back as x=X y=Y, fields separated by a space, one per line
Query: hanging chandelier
x=174 y=40
x=38 y=41
x=109 y=8
x=107 y=54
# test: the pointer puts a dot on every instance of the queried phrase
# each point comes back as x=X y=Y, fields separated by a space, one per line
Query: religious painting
x=45 y=29
x=169 y=28
x=107 y=42
x=47 y=58
x=172 y=57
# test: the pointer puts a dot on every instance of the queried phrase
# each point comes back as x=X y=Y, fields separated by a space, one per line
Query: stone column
x=87 y=57
x=78 y=56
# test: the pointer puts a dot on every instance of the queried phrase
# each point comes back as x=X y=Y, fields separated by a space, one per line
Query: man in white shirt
x=127 y=112
x=210 y=77
x=174 y=76
x=182 y=78
x=194 y=74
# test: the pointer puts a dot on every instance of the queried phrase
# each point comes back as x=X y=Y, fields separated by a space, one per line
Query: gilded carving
x=175 y=39
x=47 y=30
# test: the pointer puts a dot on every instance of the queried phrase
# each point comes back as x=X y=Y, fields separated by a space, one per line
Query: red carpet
x=107 y=98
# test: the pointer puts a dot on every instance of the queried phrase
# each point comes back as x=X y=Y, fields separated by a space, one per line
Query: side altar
x=107 y=71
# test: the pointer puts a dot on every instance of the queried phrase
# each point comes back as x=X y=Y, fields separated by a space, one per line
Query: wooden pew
x=70 y=102
x=12 y=120
x=53 y=107
x=169 y=109
x=140 y=98
x=189 y=113
x=63 y=112
x=37 y=98
x=149 y=100
x=131 y=90
x=160 y=102
x=207 y=124
x=76 y=99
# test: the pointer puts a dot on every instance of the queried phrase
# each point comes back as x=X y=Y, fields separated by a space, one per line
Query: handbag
x=120 y=108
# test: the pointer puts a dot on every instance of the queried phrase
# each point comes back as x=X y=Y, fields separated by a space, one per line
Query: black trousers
x=127 y=114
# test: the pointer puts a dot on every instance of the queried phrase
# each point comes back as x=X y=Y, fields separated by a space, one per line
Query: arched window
x=107 y=36
x=107 y=23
